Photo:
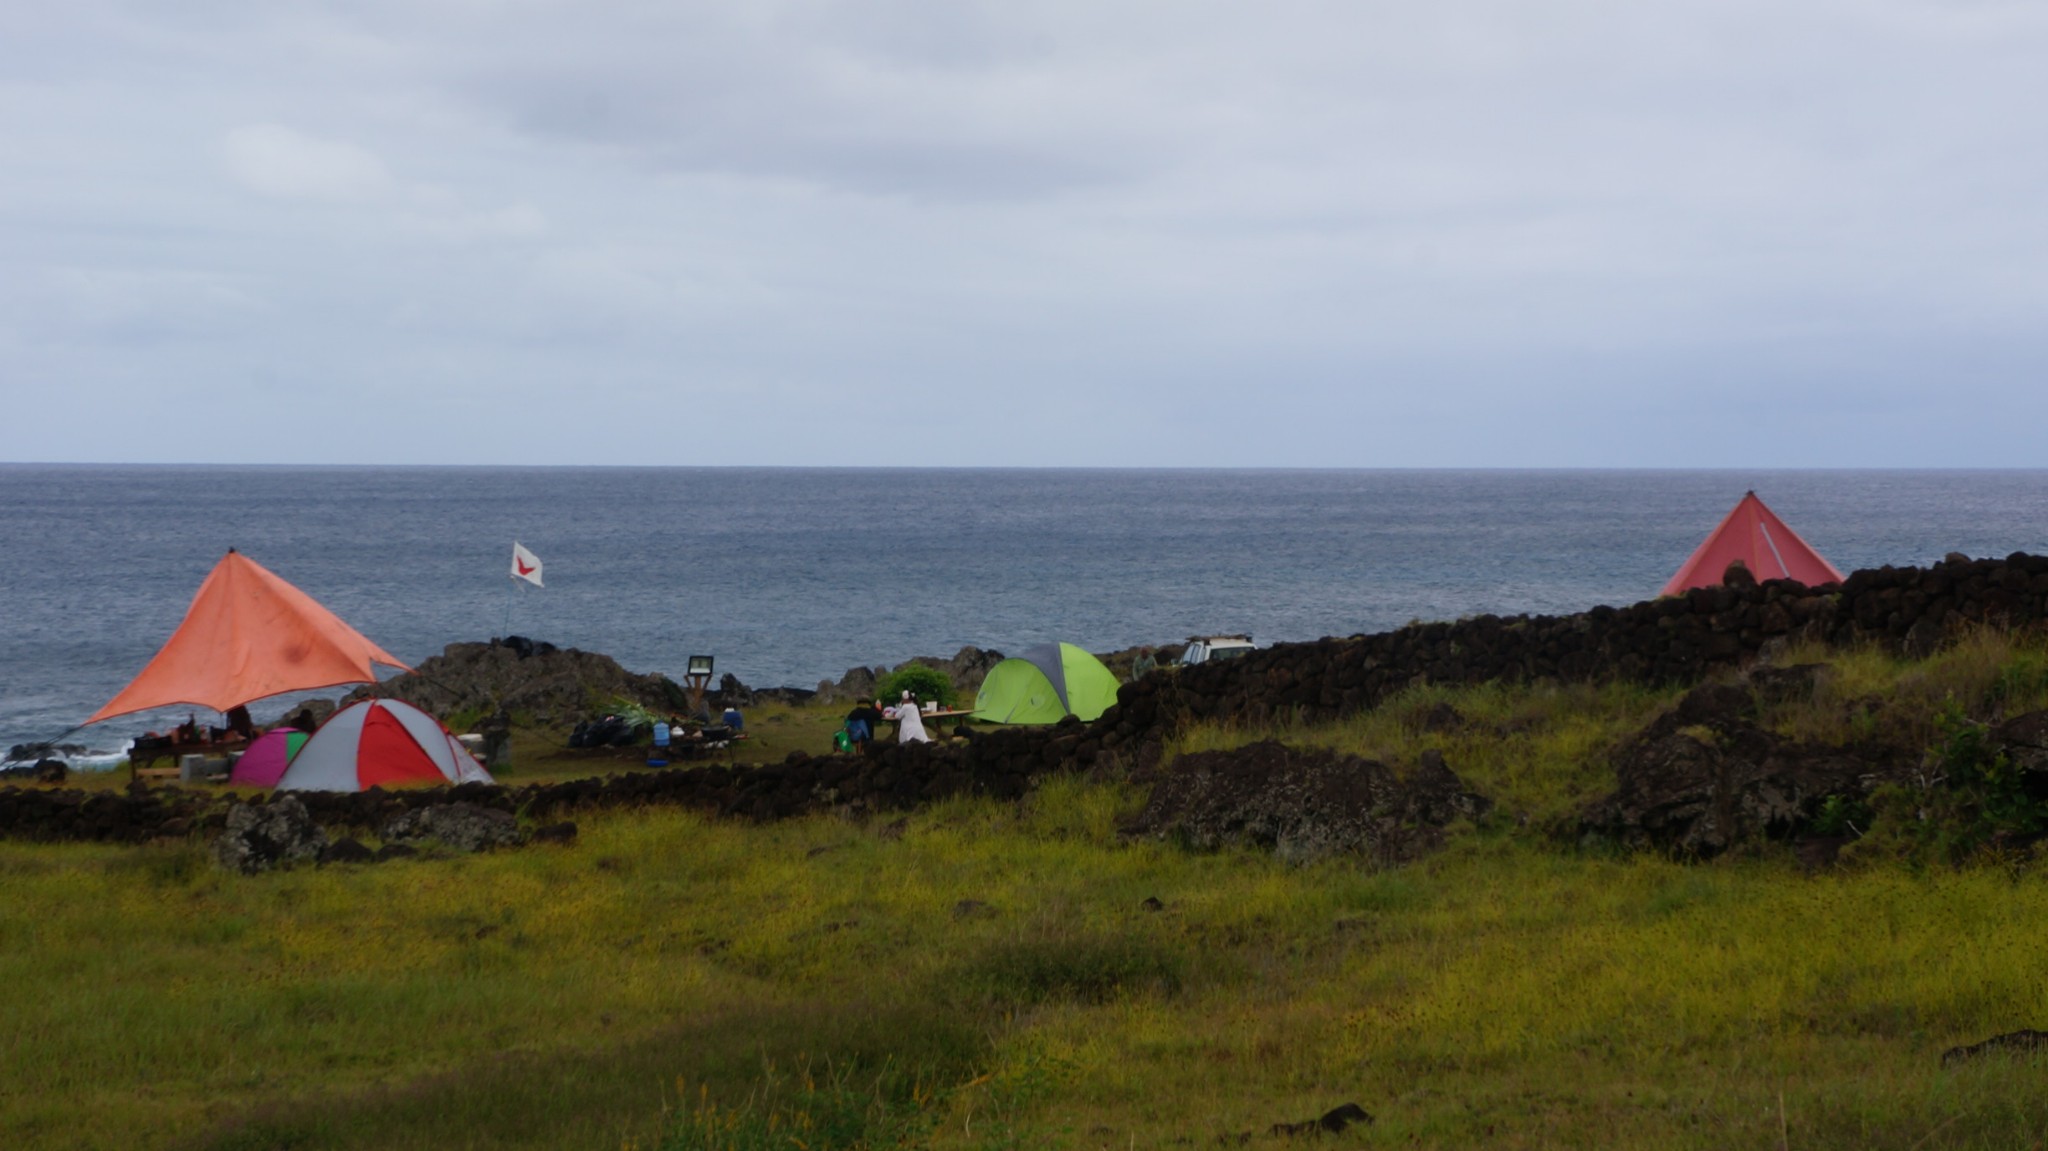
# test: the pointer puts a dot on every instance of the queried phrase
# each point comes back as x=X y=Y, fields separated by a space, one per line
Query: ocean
x=789 y=576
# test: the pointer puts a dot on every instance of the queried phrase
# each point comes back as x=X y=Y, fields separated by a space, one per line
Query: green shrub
x=1841 y=815
x=1967 y=797
x=919 y=680
x=1987 y=778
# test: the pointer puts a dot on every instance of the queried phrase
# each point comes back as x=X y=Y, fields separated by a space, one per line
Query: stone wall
x=1001 y=764
x=138 y=815
x=1680 y=639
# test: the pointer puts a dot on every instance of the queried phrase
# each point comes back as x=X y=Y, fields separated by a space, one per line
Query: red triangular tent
x=1753 y=534
x=249 y=635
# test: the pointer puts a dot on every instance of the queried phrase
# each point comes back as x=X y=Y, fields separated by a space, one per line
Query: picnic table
x=150 y=748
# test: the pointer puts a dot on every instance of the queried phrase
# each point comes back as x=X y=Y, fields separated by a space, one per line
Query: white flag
x=525 y=565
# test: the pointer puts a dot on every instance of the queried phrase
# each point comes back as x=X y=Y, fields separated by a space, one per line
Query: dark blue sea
x=790 y=576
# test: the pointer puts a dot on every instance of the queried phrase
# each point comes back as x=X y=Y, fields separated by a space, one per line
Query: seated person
x=732 y=718
x=861 y=721
x=239 y=724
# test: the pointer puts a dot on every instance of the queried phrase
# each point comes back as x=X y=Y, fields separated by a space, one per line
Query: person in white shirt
x=909 y=725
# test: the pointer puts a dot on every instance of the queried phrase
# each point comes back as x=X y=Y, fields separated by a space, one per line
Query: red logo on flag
x=525 y=565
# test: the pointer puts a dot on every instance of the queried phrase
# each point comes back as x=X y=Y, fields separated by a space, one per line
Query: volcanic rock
x=263 y=836
x=518 y=675
x=24 y=752
x=2024 y=740
x=1306 y=803
x=347 y=851
x=1703 y=777
x=2024 y=1042
x=1334 y=1121
x=461 y=826
x=563 y=832
x=858 y=683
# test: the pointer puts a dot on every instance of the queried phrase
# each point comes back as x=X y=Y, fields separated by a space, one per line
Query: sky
x=1467 y=233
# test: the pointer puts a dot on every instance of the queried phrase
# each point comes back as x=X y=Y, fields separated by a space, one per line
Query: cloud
x=284 y=164
x=1486 y=232
x=277 y=161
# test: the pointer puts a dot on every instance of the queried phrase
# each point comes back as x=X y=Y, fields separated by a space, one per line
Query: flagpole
x=511 y=594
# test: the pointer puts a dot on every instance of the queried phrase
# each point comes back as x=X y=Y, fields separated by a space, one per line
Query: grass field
x=985 y=975
x=1499 y=995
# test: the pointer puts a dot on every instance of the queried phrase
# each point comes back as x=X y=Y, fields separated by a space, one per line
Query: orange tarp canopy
x=1756 y=536
x=248 y=635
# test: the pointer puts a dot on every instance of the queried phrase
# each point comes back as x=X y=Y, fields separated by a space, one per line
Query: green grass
x=1538 y=751
x=1872 y=693
x=990 y=975
x=542 y=755
x=667 y=969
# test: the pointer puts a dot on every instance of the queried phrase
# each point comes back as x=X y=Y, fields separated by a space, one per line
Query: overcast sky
x=1285 y=233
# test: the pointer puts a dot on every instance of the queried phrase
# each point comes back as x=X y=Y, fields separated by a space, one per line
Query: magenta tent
x=264 y=763
x=1755 y=535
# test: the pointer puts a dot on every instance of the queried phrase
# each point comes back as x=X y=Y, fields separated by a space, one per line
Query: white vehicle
x=1202 y=649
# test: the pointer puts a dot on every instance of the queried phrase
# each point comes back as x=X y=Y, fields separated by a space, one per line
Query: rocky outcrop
x=2015 y=1043
x=857 y=683
x=1306 y=803
x=2023 y=740
x=1704 y=777
x=28 y=753
x=41 y=771
x=552 y=685
x=260 y=837
x=458 y=825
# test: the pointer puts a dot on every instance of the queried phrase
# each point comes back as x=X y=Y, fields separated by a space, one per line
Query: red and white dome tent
x=1755 y=535
x=380 y=742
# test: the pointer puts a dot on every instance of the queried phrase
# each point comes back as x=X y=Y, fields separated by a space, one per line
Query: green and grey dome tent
x=1044 y=685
